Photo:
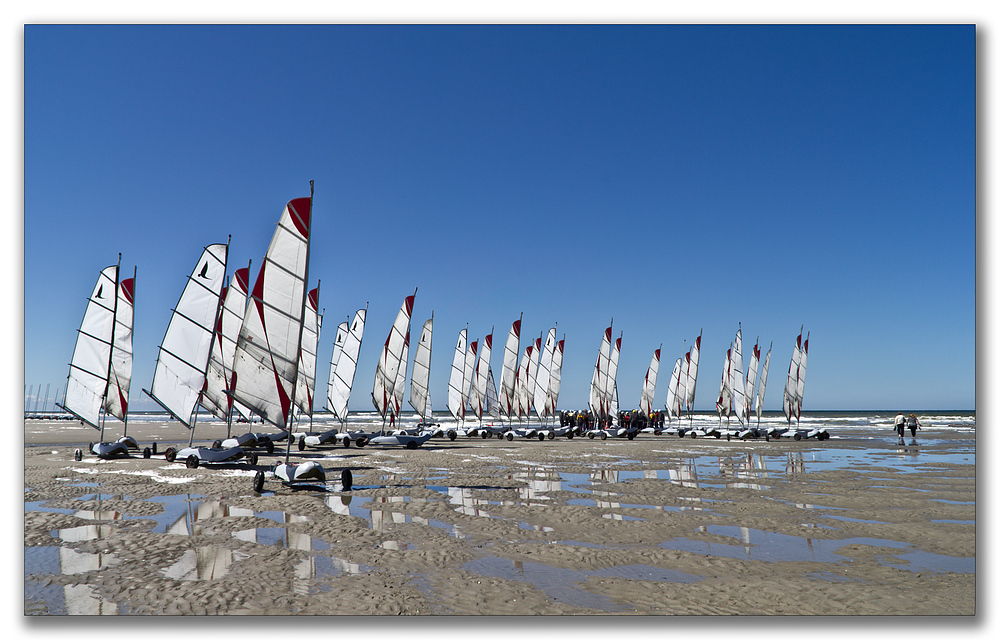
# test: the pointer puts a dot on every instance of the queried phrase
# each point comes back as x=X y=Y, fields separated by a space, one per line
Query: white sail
x=613 y=378
x=267 y=350
x=673 y=402
x=521 y=384
x=182 y=364
x=544 y=375
x=492 y=405
x=305 y=385
x=752 y=379
x=479 y=399
x=455 y=380
x=759 y=402
x=338 y=351
x=421 y=376
x=800 y=382
x=344 y=364
x=598 y=382
x=532 y=379
x=736 y=380
x=400 y=384
x=388 y=362
x=692 y=373
x=116 y=402
x=220 y=362
x=508 y=373
x=788 y=402
x=724 y=404
x=555 y=377
x=91 y=362
x=468 y=373
x=649 y=385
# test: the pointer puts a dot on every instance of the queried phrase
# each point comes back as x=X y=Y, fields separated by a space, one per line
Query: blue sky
x=676 y=178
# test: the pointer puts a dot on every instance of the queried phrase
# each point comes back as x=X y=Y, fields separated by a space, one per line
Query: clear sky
x=679 y=179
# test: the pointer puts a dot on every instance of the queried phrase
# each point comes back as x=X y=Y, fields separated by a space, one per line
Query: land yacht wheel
x=253 y=458
x=693 y=435
x=170 y=454
x=78 y=455
x=362 y=441
x=452 y=435
x=552 y=436
x=146 y=453
x=631 y=436
x=347 y=442
x=797 y=436
x=510 y=436
x=569 y=435
x=486 y=434
x=411 y=445
x=302 y=443
x=604 y=435
x=154 y=448
x=191 y=462
x=269 y=445
x=258 y=481
x=347 y=479
x=590 y=435
x=217 y=444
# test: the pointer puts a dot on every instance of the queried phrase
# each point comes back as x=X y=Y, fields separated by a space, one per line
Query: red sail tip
x=618 y=344
x=408 y=303
x=473 y=346
x=243 y=278
x=657 y=354
x=488 y=340
x=314 y=299
x=517 y=328
x=300 y=210
x=607 y=334
x=128 y=288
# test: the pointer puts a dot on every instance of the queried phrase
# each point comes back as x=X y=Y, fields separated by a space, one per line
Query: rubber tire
x=552 y=436
x=170 y=454
x=452 y=435
x=541 y=437
x=362 y=441
x=217 y=444
x=590 y=435
x=510 y=437
x=569 y=435
x=630 y=436
x=729 y=437
x=717 y=435
x=486 y=434
x=347 y=479
x=154 y=448
x=411 y=445
x=258 y=481
x=269 y=445
x=302 y=443
x=347 y=442
x=657 y=432
x=797 y=436
x=767 y=437
x=604 y=436
x=252 y=458
x=146 y=453
x=78 y=455
x=191 y=462
x=693 y=435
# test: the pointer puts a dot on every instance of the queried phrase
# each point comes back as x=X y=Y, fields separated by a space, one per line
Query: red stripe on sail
x=300 y=210
x=607 y=334
x=473 y=347
x=283 y=398
x=409 y=305
x=517 y=328
x=489 y=341
x=314 y=299
x=657 y=354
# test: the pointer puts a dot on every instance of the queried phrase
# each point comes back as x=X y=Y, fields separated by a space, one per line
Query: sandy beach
x=856 y=525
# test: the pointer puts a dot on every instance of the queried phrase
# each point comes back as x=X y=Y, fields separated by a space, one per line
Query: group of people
x=906 y=422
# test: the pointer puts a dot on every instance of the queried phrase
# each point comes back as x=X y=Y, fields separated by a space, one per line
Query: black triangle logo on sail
x=100 y=291
x=204 y=272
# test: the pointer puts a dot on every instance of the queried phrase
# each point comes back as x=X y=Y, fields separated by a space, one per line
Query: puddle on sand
x=755 y=544
x=558 y=583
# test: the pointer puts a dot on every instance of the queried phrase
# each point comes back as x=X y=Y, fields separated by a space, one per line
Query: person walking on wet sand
x=900 y=425
x=913 y=425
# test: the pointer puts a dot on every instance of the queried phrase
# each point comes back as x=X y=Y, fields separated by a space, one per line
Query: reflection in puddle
x=558 y=583
x=779 y=547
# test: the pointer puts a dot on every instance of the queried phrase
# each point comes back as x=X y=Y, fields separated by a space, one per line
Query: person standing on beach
x=913 y=424
x=900 y=424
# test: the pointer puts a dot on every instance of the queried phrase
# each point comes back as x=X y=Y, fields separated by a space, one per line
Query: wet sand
x=854 y=525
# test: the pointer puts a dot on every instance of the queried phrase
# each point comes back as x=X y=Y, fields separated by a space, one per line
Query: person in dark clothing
x=913 y=424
